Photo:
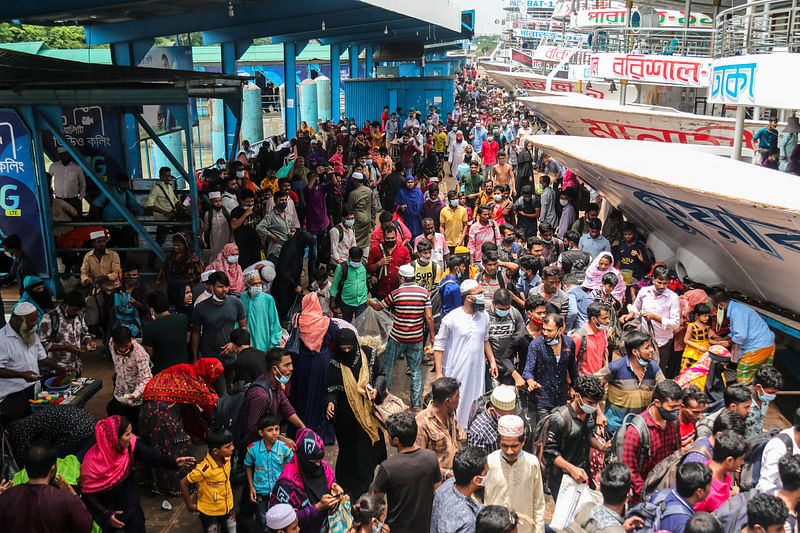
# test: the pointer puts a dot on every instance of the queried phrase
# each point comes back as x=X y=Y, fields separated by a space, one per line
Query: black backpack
x=654 y=512
x=754 y=457
x=543 y=428
x=230 y=410
x=578 y=262
x=437 y=305
x=615 y=454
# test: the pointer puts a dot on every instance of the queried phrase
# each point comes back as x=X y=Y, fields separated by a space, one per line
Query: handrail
x=760 y=27
x=693 y=42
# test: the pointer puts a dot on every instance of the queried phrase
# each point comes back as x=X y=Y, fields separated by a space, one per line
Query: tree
x=52 y=36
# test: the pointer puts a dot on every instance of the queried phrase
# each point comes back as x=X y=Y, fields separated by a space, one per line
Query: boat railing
x=760 y=27
x=693 y=42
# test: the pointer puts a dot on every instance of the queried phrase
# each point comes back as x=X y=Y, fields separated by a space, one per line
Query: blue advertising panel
x=20 y=211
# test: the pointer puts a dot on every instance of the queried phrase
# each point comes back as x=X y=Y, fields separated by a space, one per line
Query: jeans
x=348 y=311
x=262 y=506
x=218 y=524
x=313 y=254
x=413 y=353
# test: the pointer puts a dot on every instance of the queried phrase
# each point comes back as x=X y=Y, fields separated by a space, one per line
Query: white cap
x=406 y=271
x=510 y=426
x=504 y=397
x=357 y=176
x=23 y=309
x=467 y=285
x=268 y=274
x=280 y=516
x=204 y=276
x=250 y=274
x=97 y=234
x=214 y=194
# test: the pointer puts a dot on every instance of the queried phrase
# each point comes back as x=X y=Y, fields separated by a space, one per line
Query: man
x=359 y=202
x=488 y=152
x=525 y=130
x=492 y=279
x=348 y=290
x=776 y=448
x=661 y=419
x=482 y=432
x=591 y=338
x=573 y=259
x=631 y=380
x=593 y=242
x=659 y=305
x=615 y=485
x=478 y=136
x=692 y=486
x=250 y=362
x=69 y=182
x=342 y=238
x=21 y=353
x=767 y=382
x=749 y=332
x=502 y=173
x=789 y=468
x=568 y=215
x=391 y=128
x=551 y=358
x=571 y=434
x=63 y=331
x=440 y=252
x=100 y=267
x=527 y=209
x=506 y=328
x=449 y=286
x=453 y=221
x=767 y=138
x=552 y=248
x=212 y=322
x=483 y=230
x=472 y=184
x=410 y=306
x=384 y=262
x=548 y=201
x=215 y=226
x=453 y=507
x=631 y=254
x=230 y=194
x=766 y=514
x=529 y=275
x=694 y=404
x=438 y=428
x=164 y=338
x=514 y=478
x=276 y=228
x=550 y=289
x=408 y=479
x=552 y=167
x=582 y=225
x=46 y=503
x=162 y=201
x=462 y=345
x=736 y=398
x=21 y=266
x=726 y=459
x=411 y=122
x=243 y=222
x=456 y=156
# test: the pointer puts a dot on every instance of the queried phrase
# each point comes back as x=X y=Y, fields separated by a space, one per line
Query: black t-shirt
x=250 y=364
x=247 y=238
x=407 y=479
x=167 y=337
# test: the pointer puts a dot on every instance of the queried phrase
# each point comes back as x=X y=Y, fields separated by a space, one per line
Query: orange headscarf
x=313 y=324
x=190 y=384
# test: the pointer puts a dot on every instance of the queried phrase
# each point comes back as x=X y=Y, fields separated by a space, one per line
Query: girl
x=698 y=337
x=369 y=514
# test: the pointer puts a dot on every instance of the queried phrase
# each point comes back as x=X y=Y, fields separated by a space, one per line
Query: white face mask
x=563 y=202
x=240 y=173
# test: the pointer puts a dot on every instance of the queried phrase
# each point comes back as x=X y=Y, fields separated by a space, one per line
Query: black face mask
x=389 y=244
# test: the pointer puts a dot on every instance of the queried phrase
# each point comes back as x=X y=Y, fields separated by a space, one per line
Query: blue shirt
x=697 y=457
x=452 y=511
x=480 y=136
x=594 y=246
x=766 y=139
x=524 y=286
x=451 y=293
x=267 y=464
x=579 y=301
x=749 y=330
x=677 y=510
x=551 y=373
x=126 y=198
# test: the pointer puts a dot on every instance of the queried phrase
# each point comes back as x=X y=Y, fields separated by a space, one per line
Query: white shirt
x=16 y=355
x=341 y=242
x=410 y=123
x=518 y=486
x=68 y=180
x=770 y=481
x=229 y=201
x=666 y=305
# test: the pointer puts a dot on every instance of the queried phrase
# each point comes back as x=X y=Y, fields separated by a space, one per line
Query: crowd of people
x=562 y=353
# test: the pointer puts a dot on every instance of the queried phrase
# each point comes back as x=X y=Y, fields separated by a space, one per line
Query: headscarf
x=233 y=270
x=352 y=364
x=187 y=266
x=41 y=300
x=346 y=337
x=413 y=200
x=188 y=384
x=313 y=324
x=176 y=291
x=106 y=464
x=311 y=448
x=594 y=276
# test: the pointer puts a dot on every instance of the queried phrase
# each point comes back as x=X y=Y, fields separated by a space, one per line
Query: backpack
x=578 y=261
x=732 y=514
x=342 y=278
x=663 y=475
x=654 y=512
x=615 y=453
x=230 y=410
x=581 y=348
x=123 y=313
x=437 y=304
x=543 y=428
x=753 y=459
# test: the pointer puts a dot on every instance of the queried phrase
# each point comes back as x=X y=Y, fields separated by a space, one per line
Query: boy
x=727 y=458
x=692 y=485
x=213 y=478
x=264 y=463
x=765 y=514
x=425 y=271
x=323 y=289
x=615 y=485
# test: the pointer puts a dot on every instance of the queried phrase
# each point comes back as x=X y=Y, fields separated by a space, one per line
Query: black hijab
x=310 y=448
x=352 y=358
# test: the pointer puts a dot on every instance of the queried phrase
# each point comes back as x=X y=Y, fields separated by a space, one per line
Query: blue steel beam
x=348 y=31
x=410 y=34
x=336 y=78
x=354 y=50
x=290 y=89
x=369 y=63
x=18 y=10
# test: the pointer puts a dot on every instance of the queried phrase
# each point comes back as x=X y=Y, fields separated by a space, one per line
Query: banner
x=522 y=56
x=553 y=53
x=159 y=117
x=18 y=201
x=537 y=34
x=618 y=17
x=657 y=69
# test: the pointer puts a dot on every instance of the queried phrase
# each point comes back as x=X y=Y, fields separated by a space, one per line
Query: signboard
x=657 y=69
x=159 y=117
x=618 y=17
x=580 y=72
x=18 y=203
x=522 y=56
x=538 y=34
x=531 y=4
x=758 y=79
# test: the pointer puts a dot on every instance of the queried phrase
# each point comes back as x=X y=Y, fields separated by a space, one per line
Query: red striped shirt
x=408 y=303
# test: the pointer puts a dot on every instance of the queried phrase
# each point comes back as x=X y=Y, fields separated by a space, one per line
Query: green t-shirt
x=472 y=184
x=167 y=337
x=354 y=289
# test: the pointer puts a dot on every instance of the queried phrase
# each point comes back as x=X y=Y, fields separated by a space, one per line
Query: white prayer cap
x=204 y=276
x=467 y=285
x=280 y=516
x=97 y=234
x=24 y=309
x=268 y=274
x=250 y=274
x=357 y=176
x=510 y=426
x=406 y=271
x=504 y=397
x=214 y=194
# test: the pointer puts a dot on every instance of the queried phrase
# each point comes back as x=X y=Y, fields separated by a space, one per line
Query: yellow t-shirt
x=214 y=493
x=423 y=275
x=439 y=140
x=452 y=222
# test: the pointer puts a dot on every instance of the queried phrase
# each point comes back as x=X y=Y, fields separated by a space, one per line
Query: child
x=323 y=289
x=132 y=369
x=425 y=271
x=698 y=337
x=462 y=201
x=727 y=458
x=264 y=462
x=213 y=478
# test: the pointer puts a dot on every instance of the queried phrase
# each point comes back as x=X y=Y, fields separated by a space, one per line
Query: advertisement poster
x=18 y=205
x=166 y=57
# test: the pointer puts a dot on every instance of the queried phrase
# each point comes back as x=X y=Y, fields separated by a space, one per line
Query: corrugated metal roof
x=32 y=47
x=100 y=56
x=264 y=53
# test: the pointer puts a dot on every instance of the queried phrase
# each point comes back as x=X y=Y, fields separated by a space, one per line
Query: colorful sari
x=750 y=361
x=708 y=373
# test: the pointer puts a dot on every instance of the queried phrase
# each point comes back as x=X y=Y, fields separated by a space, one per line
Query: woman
x=601 y=265
x=708 y=373
x=355 y=380
x=35 y=292
x=107 y=485
x=262 y=316
x=369 y=514
x=228 y=261
x=172 y=400
x=524 y=168
x=306 y=128
x=311 y=366
x=286 y=287
x=179 y=292
x=182 y=263
x=307 y=484
x=431 y=167
x=408 y=203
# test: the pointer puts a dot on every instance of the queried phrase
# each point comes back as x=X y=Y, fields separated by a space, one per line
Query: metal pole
x=687 y=15
x=738 y=132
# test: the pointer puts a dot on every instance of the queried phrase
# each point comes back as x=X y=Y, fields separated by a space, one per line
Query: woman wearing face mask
x=355 y=380
x=409 y=202
x=369 y=514
x=311 y=366
x=35 y=292
x=601 y=265
x=262 y=316
x=228 y=261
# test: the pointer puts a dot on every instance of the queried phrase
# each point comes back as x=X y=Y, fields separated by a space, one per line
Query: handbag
x=340 y=518
x=179 y=211
x=293 y=342
x=390 y=405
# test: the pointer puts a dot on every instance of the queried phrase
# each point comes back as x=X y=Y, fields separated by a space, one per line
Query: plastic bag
x=571 y=497
x=373 y=328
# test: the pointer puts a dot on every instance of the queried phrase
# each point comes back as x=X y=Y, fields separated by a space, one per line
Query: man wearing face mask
x=215 y=226
x=230 y=196
x=591 y=337
x=766 y=384
x=262 y=315
x=514 y=478
x=384 y=262
x=276 y=227
x=506 y=328
x=456 y=153
x=462 y=345
x=63 y=331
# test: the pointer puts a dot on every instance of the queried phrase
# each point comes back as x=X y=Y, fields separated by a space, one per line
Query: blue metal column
x=336 y=78
x=290 y=88
x=353 y=52
x=370 y=64
x=229 y=58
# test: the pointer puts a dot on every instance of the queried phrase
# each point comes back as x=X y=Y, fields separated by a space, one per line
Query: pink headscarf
x=106 y=464
x=313 y=324
x=594 y=276
x=233 y=270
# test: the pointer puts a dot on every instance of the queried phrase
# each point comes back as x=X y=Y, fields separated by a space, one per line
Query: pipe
x=738 y=132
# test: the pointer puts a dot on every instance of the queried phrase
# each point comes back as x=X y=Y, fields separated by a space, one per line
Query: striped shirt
x=408 y=303
x=626 y=393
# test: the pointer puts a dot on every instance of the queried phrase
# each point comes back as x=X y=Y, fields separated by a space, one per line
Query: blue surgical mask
x=254 y=290
x=280 y=377
x=233 y=259
x=502 y=312
x=480 y=299
x=764 y=397
x=369 y=161
x=588 y=409
x=643 y=362
x=217 y=299
x=424 y=260
x=553 y=342
x=350 y=222
x=376 y=528
x=507 y=457
x=355 y=264
x=454 y=202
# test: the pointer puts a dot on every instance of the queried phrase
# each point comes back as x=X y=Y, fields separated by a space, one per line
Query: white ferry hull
x=531 y=82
